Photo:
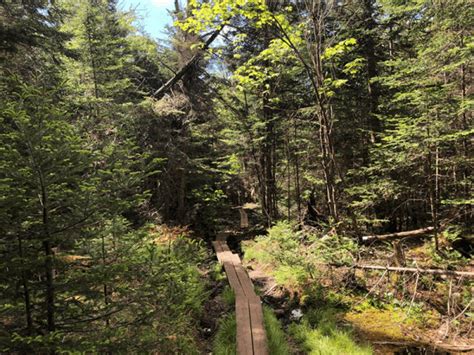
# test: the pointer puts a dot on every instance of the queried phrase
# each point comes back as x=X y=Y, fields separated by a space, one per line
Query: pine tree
x=421 y=154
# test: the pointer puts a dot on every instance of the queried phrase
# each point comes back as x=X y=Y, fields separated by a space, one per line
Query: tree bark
x=370 y=56
x=467 y=274
x=50 y=316
x=49 y=255
x=26 y=291
x=383 y=237
x=180 y=73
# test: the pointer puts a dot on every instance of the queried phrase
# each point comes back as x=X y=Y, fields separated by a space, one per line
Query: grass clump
x=320 y=331
x=277 y=343
x=228 y=296
x=225 y=339
x=326 y=339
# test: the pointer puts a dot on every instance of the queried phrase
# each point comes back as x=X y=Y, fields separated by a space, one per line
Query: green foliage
x=423 y=112
x=228 y=296
x=158 y=295
x=326 y=340
x=389 y=313
x=224 y=340
x=277 y=339
x=362 y=107
x=72 y=177
x=292 y=257
x=320 y=331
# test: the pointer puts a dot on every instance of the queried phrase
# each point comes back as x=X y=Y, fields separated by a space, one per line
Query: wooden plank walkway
x=251 y=335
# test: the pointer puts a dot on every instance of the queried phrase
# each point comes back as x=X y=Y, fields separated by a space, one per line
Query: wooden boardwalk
x=251 y=336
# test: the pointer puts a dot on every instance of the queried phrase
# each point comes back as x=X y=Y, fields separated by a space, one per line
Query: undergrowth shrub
x=292 y=257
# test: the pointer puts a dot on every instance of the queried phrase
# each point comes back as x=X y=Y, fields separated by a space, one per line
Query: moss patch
x=377 y=324
x=389 y=322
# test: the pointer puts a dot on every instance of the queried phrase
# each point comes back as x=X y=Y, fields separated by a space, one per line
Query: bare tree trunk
x=189 y=65
x=328 y=163
x=47 y=247
x=370 y=56
x=324 y=117
x=297 y=174
x=466 y=274
x=411 y=233
x=288 y=176
x=26 y=290
x=49 y=272
x=105 y=289
x=314 y=42
x=433 y=192
x=268 y=153
x=49 y=256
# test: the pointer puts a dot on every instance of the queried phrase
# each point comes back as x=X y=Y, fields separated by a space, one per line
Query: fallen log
x=166 y=86
x=382 y=237
x=428 y=345
x=467 y=274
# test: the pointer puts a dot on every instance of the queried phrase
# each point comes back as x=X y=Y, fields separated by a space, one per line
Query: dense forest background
x=121 y=156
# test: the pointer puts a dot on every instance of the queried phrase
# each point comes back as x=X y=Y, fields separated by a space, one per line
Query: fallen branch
x=440 y=346
x=180 y=73
x=412 y=233
x=467 y=274
x=373 y=287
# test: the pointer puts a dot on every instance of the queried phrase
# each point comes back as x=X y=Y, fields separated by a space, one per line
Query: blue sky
x=153 y=13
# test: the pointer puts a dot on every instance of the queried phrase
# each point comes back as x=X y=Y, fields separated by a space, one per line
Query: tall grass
x=326 y=339
x=320 y=334
x=225 y=339
x=277 y=342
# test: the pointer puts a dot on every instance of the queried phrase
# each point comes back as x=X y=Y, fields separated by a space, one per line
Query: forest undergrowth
x=333 y=138
x=346 y=310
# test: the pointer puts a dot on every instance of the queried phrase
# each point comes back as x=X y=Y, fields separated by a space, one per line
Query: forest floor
x=370 y=306
x=388 y=330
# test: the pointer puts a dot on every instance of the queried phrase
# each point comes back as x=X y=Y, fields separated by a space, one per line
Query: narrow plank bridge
x=251 y=335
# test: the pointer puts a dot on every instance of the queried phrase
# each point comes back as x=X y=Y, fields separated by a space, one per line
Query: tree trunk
x=297 y=173
x=189 y=65
x=105 y=289
x=26 y=291
x=433 y=190
x=370 y=56
x=466 y=274
x=49 y=256
x=49 y=272
x=383 y=237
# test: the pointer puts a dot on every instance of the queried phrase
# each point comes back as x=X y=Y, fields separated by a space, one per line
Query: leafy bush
x=155 y=299
x=292 y=257
x=447 y=256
